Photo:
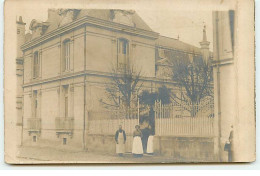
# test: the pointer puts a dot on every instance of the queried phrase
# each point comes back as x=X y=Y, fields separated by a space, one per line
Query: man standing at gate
x=120 y=139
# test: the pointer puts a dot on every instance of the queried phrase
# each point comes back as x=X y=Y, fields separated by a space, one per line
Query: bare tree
x=123 y=88
x=195 y=80
x=148 y=98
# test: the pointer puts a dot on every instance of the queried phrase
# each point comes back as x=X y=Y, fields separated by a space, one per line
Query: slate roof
x=54 y=18
x=105 y=14
x=28 y=36
x=171 y=43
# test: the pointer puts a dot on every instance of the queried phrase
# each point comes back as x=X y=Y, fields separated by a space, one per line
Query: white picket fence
x=170 y=120
x=176 y=119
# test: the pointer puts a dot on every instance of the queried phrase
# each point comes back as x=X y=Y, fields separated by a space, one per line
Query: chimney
x=20 y=27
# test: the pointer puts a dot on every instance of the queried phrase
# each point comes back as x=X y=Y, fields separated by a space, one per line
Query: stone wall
x=192 y=149
x=106 y=143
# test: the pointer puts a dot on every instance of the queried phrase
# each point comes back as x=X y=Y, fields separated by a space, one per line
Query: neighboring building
x=225 y=77
x=19 y=73
x=67 y=63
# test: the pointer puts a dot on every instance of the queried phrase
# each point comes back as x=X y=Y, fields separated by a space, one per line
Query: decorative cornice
x=72 y=39
x=222 y=62
x=133 y=45
x=92 y=73
x=72 y=88
x=113 y=41
x=87 y=20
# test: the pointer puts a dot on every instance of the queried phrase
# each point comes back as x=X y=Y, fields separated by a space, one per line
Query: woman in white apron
x=137 y=149
x=120 y=139
x=150 y=145
x=150 y=142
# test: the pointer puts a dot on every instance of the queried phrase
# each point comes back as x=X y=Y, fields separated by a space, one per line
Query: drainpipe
x=22 y=105
x=218 y=89
x=84 y=120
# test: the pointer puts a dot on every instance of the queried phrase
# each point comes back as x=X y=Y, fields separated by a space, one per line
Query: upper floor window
x=35 y=103
x=36 y=65
x=66 y=100
x=123 y=54
x=66 y=55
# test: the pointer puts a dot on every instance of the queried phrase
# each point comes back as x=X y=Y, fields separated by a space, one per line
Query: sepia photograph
x=126 y=83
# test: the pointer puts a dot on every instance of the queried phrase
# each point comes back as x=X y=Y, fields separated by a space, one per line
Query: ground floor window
x=34 y=138
x=64 y=142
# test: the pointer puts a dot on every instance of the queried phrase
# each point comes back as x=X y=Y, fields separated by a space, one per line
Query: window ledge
x=67 y=72
x=36 y=78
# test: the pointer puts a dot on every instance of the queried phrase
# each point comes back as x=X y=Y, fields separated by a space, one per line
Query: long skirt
x=150 y=145
x=120 y=147
x=137 y=145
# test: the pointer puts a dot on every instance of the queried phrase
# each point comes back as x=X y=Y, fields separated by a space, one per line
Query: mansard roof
x=128 y=19
x=56 y=18
x=109 y=15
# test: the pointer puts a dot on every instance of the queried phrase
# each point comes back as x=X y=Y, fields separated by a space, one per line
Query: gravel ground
x=37 y=155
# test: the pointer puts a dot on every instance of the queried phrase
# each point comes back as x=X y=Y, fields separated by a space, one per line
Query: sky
x=188 y=25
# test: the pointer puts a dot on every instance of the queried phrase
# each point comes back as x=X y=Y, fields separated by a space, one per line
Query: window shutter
x=36 y=65
x=123 y=50
x=66 y=55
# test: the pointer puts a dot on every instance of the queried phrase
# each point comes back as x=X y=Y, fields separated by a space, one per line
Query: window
x=66 y=101
x=64 y=141
x=34 y=138
x=35 y=104
x=123 y=54
x=36 y=65
x=66 y=55
x=18 y=31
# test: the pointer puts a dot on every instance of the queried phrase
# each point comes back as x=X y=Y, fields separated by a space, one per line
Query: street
x=38 y=155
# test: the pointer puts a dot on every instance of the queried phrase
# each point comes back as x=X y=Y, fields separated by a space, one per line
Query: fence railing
x=184 y=120
x=34 y=124
x=64 y=124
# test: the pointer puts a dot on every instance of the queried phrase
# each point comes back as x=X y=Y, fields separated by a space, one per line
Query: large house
x=64 y=64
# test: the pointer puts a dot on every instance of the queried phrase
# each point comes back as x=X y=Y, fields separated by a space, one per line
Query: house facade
x=65 y=63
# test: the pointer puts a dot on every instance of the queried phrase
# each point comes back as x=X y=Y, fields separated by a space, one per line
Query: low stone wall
x=192 y=149
x=106 y=143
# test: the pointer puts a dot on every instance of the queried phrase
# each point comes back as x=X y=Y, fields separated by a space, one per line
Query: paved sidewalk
x=39 y=155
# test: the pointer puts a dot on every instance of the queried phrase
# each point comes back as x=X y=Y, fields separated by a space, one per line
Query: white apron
x=137 y=145
x=120 y=147
x=150 y=145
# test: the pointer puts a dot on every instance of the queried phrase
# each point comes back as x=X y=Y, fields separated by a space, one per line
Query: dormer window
x=66 y=55
x=38 y=28
x=123 y=54
x=36 y=65
x=123 y=17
